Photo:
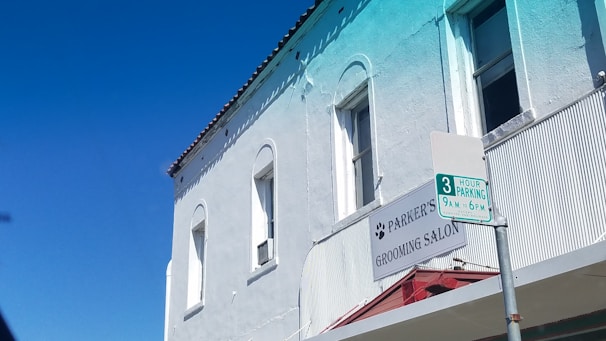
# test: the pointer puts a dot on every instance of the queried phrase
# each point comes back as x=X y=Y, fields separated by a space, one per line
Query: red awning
x=418 y=285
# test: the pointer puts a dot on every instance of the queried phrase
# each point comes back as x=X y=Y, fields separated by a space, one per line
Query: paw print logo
x=380 y=231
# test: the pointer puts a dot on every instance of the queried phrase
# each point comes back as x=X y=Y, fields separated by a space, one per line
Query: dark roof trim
x=176 y=166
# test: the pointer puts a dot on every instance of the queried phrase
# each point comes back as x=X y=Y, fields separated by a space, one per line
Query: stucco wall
x=405 y=51
x=221 y=174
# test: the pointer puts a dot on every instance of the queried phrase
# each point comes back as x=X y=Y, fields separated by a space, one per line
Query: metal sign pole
x=512 y=317
x=509 y=296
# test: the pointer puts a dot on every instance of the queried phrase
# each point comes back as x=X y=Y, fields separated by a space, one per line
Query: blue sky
x=97 y=99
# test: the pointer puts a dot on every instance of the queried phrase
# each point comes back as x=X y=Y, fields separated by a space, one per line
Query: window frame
x=196 y=272
x=467 y=99
x=264 y=185
x=199 y=238
x=348 y=205
x=264 y=210
x=361 y=180
x=265 y=189
x=480 y=70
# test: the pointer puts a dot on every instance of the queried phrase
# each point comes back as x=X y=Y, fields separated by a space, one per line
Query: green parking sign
x=444 y=184
x=463 y=198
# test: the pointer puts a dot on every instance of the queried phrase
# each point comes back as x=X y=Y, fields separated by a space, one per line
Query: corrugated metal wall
x=331 y=281
x=548 y=180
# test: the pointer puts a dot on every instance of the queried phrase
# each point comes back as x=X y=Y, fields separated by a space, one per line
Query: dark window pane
x=488 y=12
x=492 y=39
x=368 y=190
x=363 y=124
x=495 y=72
x=269 y=206
x=362 y=158
x=501 y=100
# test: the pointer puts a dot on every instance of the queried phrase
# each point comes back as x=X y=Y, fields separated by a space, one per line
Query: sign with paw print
x=409 y=231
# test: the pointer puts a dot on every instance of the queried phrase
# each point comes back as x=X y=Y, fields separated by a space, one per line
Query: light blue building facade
x=273 y=201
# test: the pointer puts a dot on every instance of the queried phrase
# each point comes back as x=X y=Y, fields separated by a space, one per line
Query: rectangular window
x=362 y=154
x=266 y=195
x=264 y=213
x=354 y=163
x=494 y=66
x=199 y=242
x=263 y=227
x=195 y=290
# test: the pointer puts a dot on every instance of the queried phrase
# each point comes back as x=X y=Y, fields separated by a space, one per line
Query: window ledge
x=193 y=311
x=356 y=216
x=262 y=270
x=508 y=129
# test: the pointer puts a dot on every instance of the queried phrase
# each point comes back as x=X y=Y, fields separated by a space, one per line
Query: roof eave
x=178 y=164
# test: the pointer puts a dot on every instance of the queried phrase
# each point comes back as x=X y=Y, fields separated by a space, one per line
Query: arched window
x=263 y=234
x=354 y=144
x=197 y=255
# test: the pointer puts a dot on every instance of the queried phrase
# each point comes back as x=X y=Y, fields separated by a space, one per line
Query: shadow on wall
x=594 y=46
x=288 y=73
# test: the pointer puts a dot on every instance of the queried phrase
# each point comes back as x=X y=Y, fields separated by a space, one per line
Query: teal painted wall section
x=562 y=48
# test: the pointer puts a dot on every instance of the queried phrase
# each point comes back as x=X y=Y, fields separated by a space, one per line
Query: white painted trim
x=519 y=58
x=262 y=270
x=169 y=273
x=191 y=312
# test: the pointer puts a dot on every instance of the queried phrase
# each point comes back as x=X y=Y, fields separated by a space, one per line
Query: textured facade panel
x=548 y=182
x=340 y=261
